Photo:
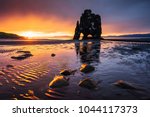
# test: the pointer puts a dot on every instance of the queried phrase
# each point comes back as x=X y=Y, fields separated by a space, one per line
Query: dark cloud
x=121 y=12
x=23 y=7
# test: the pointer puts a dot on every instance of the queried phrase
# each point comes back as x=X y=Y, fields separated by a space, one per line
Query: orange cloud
x=50 y=26
x=54 y=27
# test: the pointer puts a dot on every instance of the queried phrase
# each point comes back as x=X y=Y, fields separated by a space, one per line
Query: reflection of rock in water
x=88 y=51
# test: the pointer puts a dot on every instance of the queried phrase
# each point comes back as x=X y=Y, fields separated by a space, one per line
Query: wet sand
x=29 y=78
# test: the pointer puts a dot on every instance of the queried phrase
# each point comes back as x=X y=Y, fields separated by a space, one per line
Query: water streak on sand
x=54 y=94
x=25 y=74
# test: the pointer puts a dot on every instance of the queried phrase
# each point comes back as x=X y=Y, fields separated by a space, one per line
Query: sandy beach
x=29 y=78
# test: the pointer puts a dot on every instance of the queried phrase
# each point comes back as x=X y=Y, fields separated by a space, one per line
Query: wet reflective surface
x=29 y=78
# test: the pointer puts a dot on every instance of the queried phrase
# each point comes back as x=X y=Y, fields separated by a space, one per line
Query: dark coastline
x=129 y=40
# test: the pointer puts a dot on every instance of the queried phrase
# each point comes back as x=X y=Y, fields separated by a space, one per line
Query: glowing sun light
x=40 y=35
x=30 y=34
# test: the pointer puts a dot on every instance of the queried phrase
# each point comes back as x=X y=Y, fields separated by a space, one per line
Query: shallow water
x=113 y=61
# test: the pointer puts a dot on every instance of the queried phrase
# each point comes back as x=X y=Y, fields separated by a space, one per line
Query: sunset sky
x=57 y=18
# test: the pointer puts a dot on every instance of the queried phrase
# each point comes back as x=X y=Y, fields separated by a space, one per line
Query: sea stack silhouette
x=89 y=25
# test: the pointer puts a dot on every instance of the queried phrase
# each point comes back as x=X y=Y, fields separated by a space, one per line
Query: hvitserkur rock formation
x=89 y=25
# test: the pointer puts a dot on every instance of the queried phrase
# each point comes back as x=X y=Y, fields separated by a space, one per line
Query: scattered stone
x=88 y=83
x=86 y=68
x=124 y=84
x=53 y=55
x=29 y=95
x=14 y=99
x=9 y=66
x=65 y=72
x=14 y=88
x=21 y=51
x=22 y=57
x=58 y=81
x=31 y=92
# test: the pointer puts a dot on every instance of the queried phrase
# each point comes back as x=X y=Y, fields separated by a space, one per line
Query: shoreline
x=33 y=42
x=46 y=41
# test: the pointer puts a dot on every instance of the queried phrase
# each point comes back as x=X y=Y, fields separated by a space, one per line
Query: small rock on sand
x=9 y=66
x=14 y=88
x=22 y=57
x=31 y=92
x=85 y=68
x=29 y=95
x=21 y=51
x=58 y=81
x=53 y=55
x=124 y=84
x=88 y=83
x=65 y=72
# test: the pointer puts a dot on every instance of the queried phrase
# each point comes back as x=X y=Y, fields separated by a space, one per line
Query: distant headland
x=131 y=35
x=4 y=35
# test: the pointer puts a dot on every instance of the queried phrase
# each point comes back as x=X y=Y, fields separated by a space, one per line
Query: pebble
x=85 y=68
x=88 y=83
x=52 y=55
x=58 y=81
x=9 y=66
x=124 y=84
x=65 y=72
